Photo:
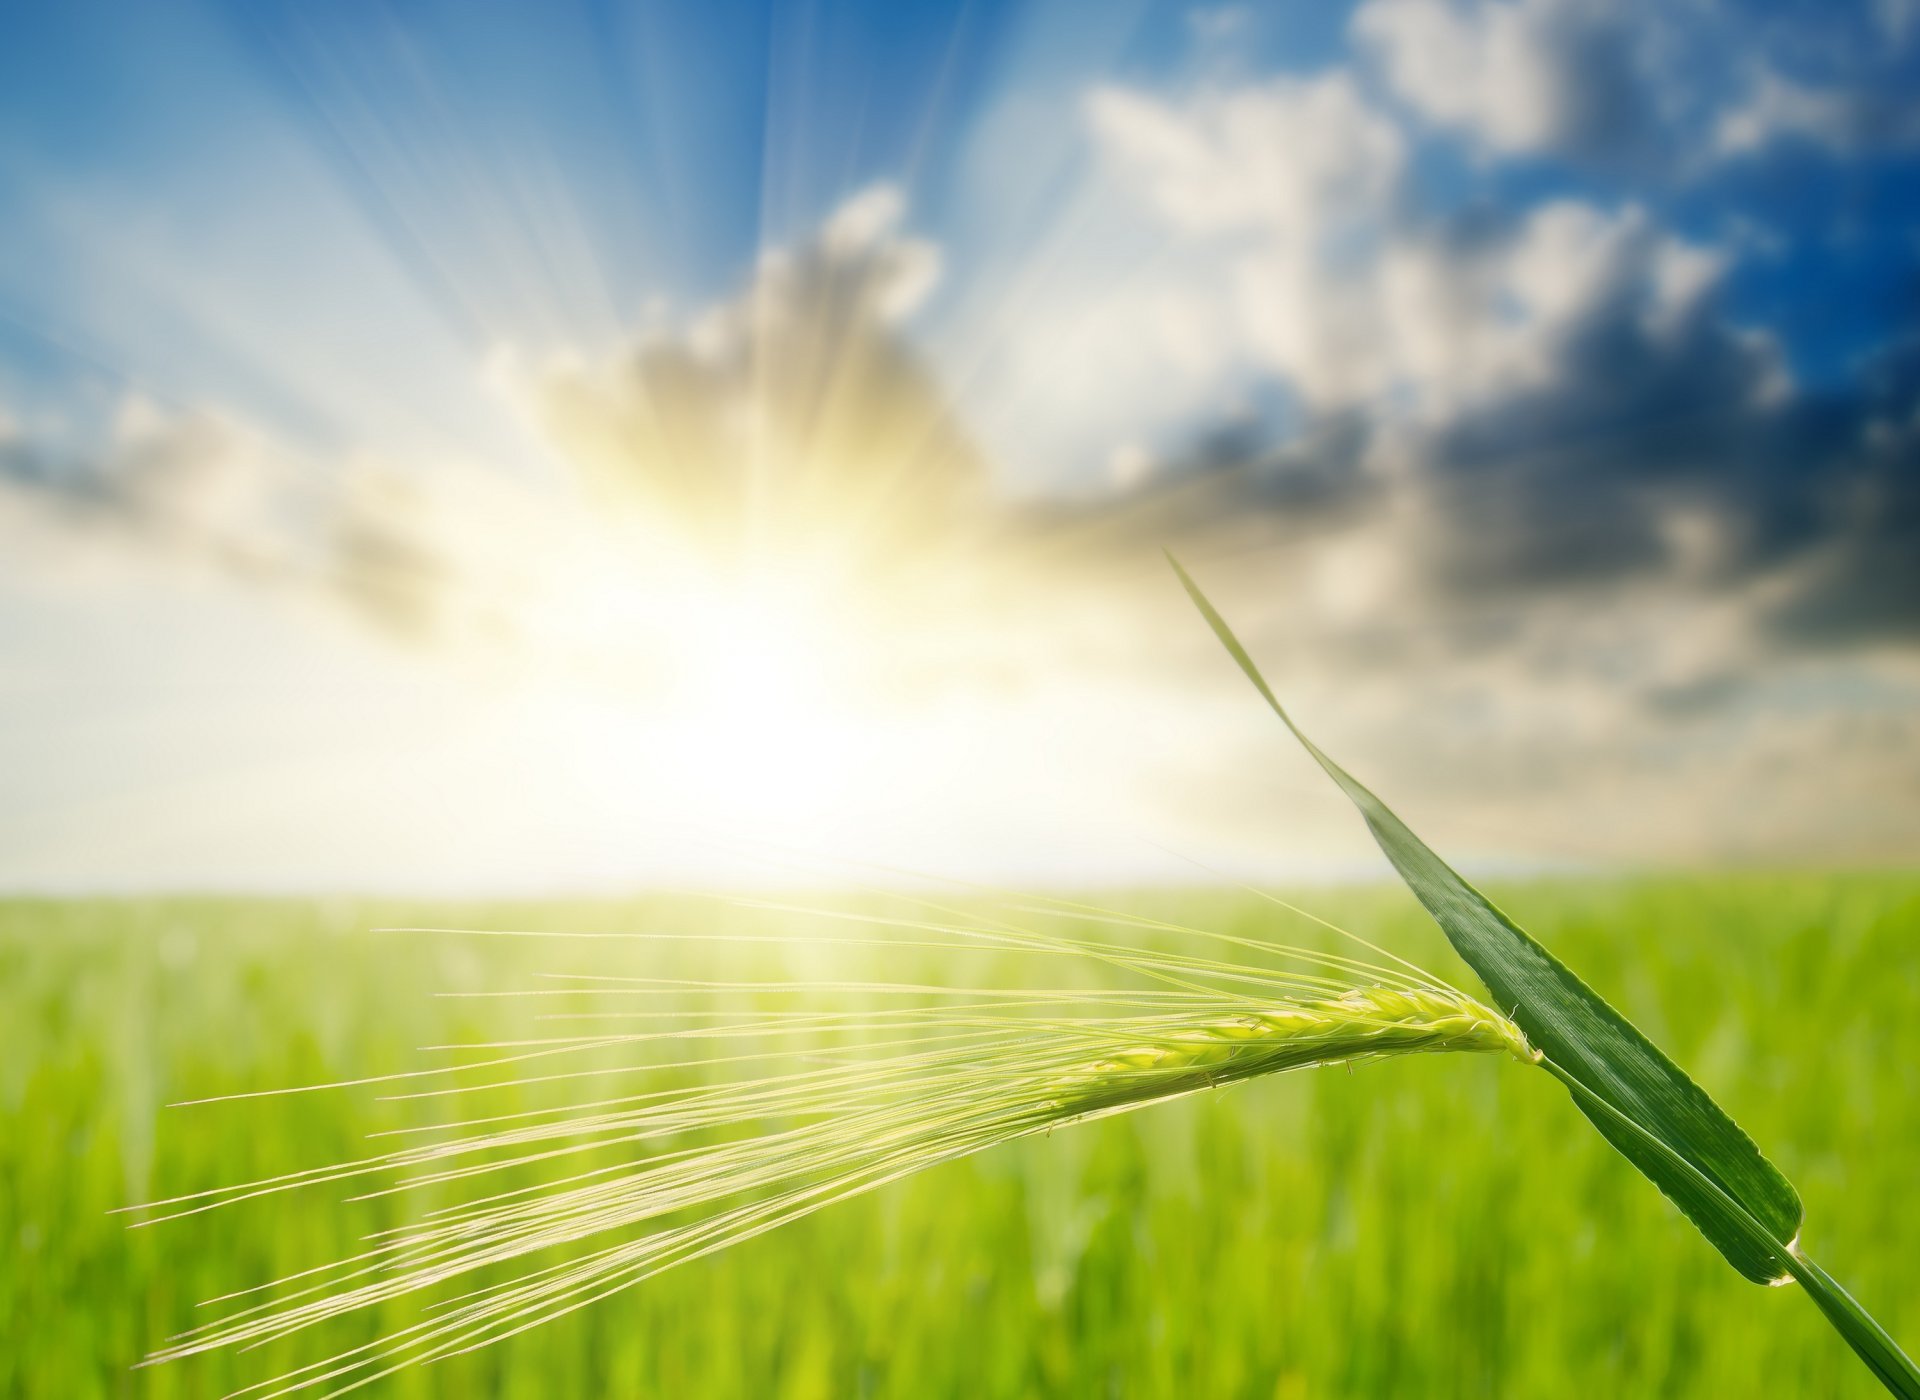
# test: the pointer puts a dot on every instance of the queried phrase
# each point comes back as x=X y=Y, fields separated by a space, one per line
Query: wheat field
x=1405 y=1227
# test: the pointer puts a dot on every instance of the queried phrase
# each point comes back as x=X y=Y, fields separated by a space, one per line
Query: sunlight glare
x=729 y=694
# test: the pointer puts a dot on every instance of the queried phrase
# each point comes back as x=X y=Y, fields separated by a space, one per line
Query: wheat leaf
x=1641 y=1102
x=1576 y=1029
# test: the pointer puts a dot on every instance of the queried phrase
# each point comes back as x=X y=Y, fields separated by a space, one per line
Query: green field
x=1438 y=1226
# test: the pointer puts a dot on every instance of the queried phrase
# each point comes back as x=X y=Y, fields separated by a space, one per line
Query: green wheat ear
x=1641 y=1102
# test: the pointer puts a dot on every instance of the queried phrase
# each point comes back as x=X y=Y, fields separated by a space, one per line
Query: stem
x=1867 y=1337
x=1869 y=1340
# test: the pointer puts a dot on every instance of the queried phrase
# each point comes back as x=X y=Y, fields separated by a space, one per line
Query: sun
x=724 y=697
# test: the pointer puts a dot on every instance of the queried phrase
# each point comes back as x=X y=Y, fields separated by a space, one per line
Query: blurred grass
x=1436 y=1227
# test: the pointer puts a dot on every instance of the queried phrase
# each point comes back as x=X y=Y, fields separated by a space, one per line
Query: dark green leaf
x=1590 y=1042
x=1869 y=1340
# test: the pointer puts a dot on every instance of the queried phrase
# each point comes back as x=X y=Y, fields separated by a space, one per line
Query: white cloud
x=1482 y=74
x=1777 y=109
x=1127 y=314
x=1521 y=76
x=1334 y=283
x=1302 y=159
x=901 y=272
x=416 y=552
x=1628 y=84
x=1290 y=185
x=178 y=484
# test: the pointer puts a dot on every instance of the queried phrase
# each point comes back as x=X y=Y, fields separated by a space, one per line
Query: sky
x=536 y=447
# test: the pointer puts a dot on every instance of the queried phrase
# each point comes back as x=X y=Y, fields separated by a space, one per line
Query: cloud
x=1622 y=403
x=794 y=420
x=793 y=426
x=1333 y=280
x=1857 y=578
x=1302 y=159
x=1435 y=364
x=1841 y=120
x=175 y=479
x=1582 y=78
x=1644 y=89
x=797 y=415
x=1491 y=420
x=1667 y=452
x=201 y=491
x=1446 y=419
x=1288 y=183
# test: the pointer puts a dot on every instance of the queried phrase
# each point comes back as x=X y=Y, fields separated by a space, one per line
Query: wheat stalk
x=1363 y=1023
x=873 y=1096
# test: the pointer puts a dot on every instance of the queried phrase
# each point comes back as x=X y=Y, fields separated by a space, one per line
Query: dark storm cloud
x=1666 y=459
x=1596 y=479
x=1861 y=575
x=1575 y=480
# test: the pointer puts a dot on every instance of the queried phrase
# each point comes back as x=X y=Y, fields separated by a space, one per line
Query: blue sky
x=1551 y=360
x=287 y=145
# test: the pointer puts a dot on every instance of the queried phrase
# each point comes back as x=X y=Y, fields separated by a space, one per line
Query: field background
x=1445 y=1226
